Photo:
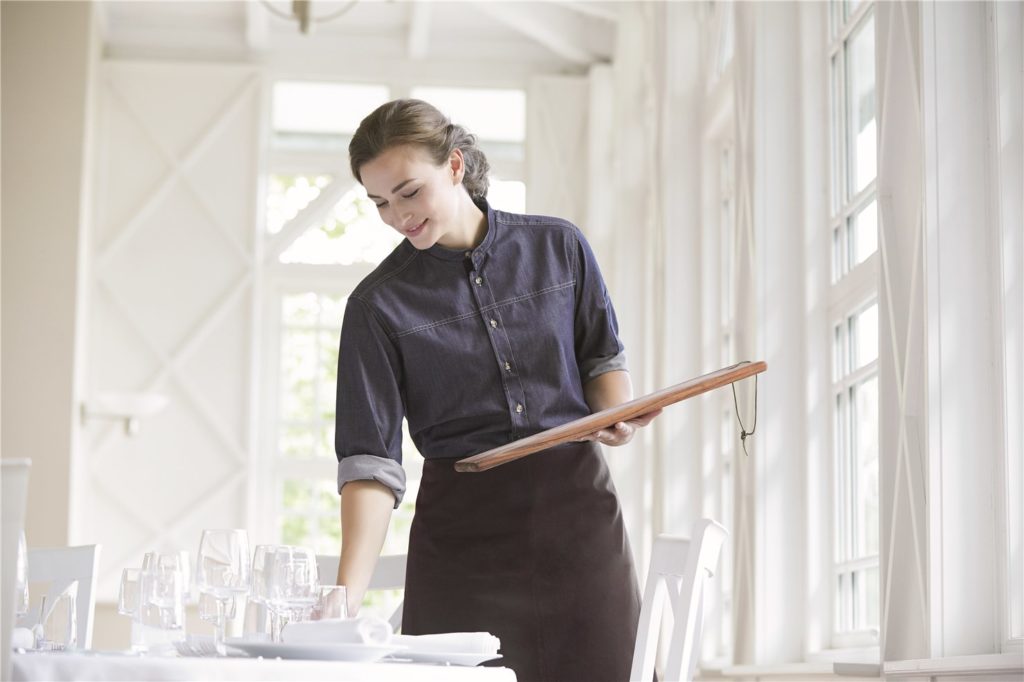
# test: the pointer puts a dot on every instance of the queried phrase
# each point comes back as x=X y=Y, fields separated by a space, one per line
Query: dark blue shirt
x=475 y=348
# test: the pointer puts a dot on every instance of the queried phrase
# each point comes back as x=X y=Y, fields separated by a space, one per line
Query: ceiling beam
x=257 y=26
x=418 y=40
x=551 y=26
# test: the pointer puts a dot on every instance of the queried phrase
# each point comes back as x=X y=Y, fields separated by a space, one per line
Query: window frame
x=853 y=287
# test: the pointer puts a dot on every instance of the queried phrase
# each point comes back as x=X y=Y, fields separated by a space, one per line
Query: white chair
x=60 y=566
x=679 y=569
x=389 y=575
x=14 y=487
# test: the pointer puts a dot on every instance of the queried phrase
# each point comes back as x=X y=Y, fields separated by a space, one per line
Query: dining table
x=68 y=666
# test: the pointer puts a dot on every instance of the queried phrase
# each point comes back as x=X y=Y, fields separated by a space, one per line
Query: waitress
x=480 y=328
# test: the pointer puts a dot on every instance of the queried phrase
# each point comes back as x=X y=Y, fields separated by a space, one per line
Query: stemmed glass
x=222 y=572
x=258 y=614
x=293 y=584
x=162 y=597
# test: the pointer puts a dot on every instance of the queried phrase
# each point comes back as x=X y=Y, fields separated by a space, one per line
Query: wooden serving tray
x=575 y=430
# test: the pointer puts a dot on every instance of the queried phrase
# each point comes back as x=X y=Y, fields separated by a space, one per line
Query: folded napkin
x=22 y=638
x=450 y=643
x=361 y=630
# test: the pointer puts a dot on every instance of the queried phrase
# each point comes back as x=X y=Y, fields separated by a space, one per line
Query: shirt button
x=508 y=367
x=469 y=254
x=519 y=407
x=494 y=323
x=479 y=281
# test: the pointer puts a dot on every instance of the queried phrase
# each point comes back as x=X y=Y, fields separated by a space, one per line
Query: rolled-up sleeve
x=368 y=426
x=598 y=348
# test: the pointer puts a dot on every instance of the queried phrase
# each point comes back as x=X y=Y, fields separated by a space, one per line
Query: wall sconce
x=130 y=407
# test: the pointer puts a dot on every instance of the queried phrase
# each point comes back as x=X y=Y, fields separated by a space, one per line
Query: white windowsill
x=981 y=664
x=785 y=670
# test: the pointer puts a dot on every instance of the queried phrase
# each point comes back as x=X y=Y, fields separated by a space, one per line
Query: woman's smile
x=415 y=231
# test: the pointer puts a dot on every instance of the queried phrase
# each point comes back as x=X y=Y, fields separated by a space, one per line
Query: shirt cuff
x=591 y=369
x=373 y=468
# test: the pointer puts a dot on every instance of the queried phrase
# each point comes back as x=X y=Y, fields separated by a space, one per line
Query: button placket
x=501 y=344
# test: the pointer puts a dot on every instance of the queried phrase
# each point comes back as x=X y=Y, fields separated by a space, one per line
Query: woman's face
x=415 y=197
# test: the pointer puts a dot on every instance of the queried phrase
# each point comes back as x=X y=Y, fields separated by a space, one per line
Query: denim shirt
x=475 y=348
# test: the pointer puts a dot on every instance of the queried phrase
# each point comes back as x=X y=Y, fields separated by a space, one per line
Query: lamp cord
x=291 y=17
x=743 y=430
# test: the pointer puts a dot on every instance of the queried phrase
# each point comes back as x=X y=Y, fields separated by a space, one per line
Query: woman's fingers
x=622 y=432
x=644 y=419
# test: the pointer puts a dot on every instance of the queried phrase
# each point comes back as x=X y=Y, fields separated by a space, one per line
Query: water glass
x=128 y=604
x=128 y=593
x=60 y=621
x=332 y=603
x=222 y=572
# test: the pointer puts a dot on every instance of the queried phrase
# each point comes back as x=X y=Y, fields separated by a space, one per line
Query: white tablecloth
x=64 y=667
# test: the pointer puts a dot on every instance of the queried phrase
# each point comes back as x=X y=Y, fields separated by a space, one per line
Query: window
x=719 y=316
x=855 y=388
x=853 y=311
x=491 y=115
x=322 y=236
x=728 y=440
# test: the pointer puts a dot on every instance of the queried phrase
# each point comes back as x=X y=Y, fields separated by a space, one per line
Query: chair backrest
x=14 y=487
x=679 y=569
x=61 y=566
x=389 y=575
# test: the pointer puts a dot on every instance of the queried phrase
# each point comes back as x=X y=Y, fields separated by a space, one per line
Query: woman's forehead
x=379 y=173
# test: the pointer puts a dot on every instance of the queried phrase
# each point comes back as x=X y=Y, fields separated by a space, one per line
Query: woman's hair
x=415 y=122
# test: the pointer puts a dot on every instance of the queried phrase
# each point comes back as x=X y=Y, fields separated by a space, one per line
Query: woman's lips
x=416 y=230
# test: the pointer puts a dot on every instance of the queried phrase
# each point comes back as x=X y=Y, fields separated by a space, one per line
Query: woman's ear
x=457 y=165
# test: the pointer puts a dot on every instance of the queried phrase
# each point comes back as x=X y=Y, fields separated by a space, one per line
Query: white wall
x=46 y=115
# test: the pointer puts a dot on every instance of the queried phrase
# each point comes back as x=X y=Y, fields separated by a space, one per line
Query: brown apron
x=534 y=552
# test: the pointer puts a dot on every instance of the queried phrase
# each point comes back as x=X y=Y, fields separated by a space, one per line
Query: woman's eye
x=381 y=205
x=412 y=194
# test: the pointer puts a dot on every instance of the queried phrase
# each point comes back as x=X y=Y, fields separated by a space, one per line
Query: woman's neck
x=471 y=227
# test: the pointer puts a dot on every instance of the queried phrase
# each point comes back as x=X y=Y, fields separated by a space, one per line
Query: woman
x=483 y=327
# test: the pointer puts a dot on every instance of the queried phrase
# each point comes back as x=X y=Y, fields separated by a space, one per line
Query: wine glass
x=293 y=584
x=222 y=572
x=161 y=613
x=260 y=620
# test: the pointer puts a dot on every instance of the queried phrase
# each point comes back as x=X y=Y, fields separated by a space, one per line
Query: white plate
x=449 y=658
x=362 y=653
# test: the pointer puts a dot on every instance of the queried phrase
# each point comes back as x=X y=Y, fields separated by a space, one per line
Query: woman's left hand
x=622 y=432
